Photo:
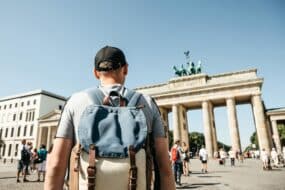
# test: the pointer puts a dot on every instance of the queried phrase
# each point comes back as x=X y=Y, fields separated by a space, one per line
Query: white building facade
x=19 y=119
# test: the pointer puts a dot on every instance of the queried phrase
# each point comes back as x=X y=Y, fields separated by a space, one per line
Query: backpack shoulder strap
x=132 y=98
x=96 y=95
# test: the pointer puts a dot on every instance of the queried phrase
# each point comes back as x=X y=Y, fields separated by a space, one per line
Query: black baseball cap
x=109 y=58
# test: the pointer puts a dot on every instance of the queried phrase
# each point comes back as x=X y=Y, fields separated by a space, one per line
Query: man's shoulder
x=80 y=96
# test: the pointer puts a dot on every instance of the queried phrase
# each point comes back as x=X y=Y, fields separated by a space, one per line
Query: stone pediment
x=53 y=115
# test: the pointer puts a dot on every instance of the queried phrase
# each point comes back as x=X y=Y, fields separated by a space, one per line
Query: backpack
x=25 y=155
x=42 y=154
x=114 y=148
x=175 y=154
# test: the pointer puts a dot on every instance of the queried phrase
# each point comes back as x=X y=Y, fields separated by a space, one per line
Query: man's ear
x=126 y=69
x=96 y=73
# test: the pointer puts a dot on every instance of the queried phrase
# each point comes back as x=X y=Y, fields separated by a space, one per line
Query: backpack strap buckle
x=133 y=171
x=91 y=169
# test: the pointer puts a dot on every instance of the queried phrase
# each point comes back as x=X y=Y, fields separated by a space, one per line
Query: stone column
x=40 y=137
x=275 y=136
x=213 y=127
x=184 y=126
x=48 y=137
x=207 y=128
x=260 y=122
x=233 y=124
x=176 y=128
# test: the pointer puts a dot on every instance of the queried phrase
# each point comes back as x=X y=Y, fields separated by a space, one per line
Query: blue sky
x=51 y=45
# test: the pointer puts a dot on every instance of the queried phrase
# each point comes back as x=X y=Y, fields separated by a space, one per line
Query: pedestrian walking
x=23 y=164
x=42 y=156
x=185 y=158
x=223 y=156
x=274 y=157
x=176 y=152
x=232 y=156
x=265 y=158
x=203 y=155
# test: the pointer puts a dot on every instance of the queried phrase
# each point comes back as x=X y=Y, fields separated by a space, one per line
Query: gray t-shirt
x=78 y=102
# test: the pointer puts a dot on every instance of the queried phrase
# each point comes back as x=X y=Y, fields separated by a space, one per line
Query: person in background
x=274 y=157
x=204 y=159
x=185 y=158
x=264 y=156
x=34 y=159
x=176 y=152
x=232 y=156
x=23 y=164
x=42 y=156
x=223 y=156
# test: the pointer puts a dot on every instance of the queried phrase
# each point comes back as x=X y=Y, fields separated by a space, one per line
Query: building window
x=31 y=130
x=33 y=116
x=21 y=115
x=30 y=115
x=4 y=107
x=60 y=107
x=12 y=132
x=4 y=149
x=16 y=149
x=9 y=150
x=1 y=130
x=14 y=117
x=10 y=106
x=6 y=132
x=0 y=107
x=22 y=104
x=19 y=131
x=28 y=103
x=25 y=130
x=16 y=105
x=35 y=101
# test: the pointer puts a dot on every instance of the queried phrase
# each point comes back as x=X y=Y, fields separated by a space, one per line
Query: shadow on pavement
x=209 y=176
x=195 y=185
x=7 y=177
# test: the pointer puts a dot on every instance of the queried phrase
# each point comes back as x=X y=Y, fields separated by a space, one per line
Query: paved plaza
x=245 y=176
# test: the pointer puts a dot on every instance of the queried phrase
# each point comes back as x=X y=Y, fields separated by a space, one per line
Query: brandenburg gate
x=201 y=91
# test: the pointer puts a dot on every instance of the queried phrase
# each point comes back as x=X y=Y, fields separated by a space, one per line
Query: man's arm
x=164 y=165
x=57 y=162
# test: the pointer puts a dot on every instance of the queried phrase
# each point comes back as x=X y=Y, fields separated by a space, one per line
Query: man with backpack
x=118 y=135
x=176 y=152
x=42 y=155
x=24 y=162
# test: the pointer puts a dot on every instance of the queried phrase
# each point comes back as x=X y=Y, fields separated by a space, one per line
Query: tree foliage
x=196 y=140
x=254 y=140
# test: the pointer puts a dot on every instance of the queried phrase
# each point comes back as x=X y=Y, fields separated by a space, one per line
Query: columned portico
x=184 y=93
x=260 y=122
x=48 y=127
x=276 y=116
x=233 y=124
x=207 y=128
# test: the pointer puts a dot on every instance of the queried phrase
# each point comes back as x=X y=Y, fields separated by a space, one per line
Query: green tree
x=196 y=141
x=254 y=139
